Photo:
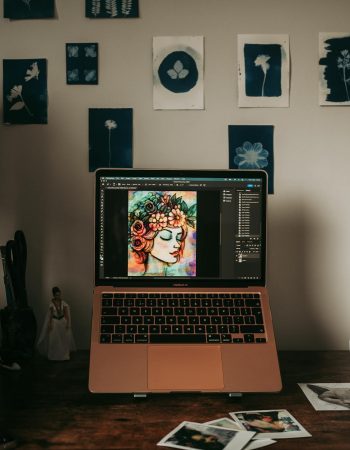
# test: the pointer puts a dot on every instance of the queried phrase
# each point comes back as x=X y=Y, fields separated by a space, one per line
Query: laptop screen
x=180 y=227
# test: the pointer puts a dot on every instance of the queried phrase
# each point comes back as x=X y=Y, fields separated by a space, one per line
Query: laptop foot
x=140 y=395
x=235 y=394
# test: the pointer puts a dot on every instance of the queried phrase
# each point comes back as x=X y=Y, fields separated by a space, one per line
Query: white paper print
x=263 y=70
x=178 y=72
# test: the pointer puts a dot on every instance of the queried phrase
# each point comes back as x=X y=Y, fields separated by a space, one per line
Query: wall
x=47 y=191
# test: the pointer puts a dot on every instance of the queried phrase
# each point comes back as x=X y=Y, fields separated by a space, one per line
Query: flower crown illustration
x=155 y=212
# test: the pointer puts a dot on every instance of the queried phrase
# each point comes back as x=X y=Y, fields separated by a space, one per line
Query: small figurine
x=56 y=338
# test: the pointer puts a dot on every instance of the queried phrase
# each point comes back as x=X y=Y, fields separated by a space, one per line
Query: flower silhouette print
x=73 y=51
x=16 y=92
x=343 y=63
x=251 y=156
x=261 y=61
x=33 y=72
x=90 y=51
x=178 y=71
x=110 y=125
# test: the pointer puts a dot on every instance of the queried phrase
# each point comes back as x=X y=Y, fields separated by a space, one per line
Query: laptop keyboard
x=162 y=318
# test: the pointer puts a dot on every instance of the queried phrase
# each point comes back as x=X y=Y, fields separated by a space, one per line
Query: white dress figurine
x=56 y=339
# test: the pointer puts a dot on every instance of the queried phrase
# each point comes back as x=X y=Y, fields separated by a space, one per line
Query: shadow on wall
x=24 y=201
x=291 y=265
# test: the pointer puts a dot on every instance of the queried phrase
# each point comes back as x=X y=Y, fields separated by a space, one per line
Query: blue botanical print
x=82 y=63
x=251 y=156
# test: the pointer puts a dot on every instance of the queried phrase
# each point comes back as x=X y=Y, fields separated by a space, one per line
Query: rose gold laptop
x=180 y=303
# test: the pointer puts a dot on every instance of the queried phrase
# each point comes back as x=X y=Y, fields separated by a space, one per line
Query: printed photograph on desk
x=251 y=147
x=82 y=63
x=25 y=91
x=29 y=9
x=274 y=424
x=327 y=396
x=162 y=233
x=334 y=69
x=178 y=72
x=224 y=422
x=111 y=9
x=110 y=137
x=263 y=70
x=191 y=435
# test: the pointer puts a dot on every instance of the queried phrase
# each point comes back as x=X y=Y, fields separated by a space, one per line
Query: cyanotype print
x=111 y=8
x=25 y=91
x=263 y=70
x=251 y=147
x=82 y=63
x=178 y=72
x=110 y=137
x=29 y=9
x=334 y=74
x=263 y=64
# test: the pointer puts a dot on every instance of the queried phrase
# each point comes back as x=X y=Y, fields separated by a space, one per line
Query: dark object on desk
x=7 y=441
x=18 y=323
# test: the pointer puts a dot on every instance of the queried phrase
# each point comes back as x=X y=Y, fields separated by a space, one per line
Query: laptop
x=180 y=302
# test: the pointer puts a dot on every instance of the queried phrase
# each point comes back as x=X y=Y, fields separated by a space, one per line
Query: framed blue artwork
x=29 y=9
x=263 y=70
x=110 y=137
x=111 y=9
x=25 y=90
x=82 y=63
x=334 y=65
x=251 y=147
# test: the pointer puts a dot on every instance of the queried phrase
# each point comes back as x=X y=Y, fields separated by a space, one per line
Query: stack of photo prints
x=248 y=430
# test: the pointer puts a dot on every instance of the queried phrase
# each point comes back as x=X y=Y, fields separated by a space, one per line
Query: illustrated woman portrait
x=162 y=233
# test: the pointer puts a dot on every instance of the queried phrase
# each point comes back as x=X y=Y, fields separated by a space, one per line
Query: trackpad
x=179 y=367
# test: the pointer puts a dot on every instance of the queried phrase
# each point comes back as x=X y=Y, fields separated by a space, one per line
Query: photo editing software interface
x=179 y=227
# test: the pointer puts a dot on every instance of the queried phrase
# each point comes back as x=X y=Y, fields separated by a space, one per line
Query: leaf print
x=33 y=72
x=111 y=7
x=73 y=51
x=96 y=7
x=90 y=75
x=17 y=106
x=16 y=92
x=90 y=51
x=73 y=75
x=178 y=71
x=126 y=7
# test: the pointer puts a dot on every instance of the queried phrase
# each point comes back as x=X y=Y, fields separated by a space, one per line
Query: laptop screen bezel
x=195 y=173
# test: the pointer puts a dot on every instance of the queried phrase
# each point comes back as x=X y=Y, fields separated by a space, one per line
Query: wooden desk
x=47 y=405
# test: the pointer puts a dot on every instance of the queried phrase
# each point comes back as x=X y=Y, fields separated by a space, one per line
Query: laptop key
x=252 y=329
x=141 y=338
x=177 y=338
x=117 y=338
x=226 y=338
x=107 y=329
x=213 y=338
x=128 y=338
x=105 y=338
x=248 y=338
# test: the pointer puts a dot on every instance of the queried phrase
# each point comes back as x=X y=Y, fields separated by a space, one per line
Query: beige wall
x=47 y=191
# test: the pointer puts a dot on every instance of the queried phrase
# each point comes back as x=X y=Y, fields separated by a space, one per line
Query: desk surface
x=47 y=405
